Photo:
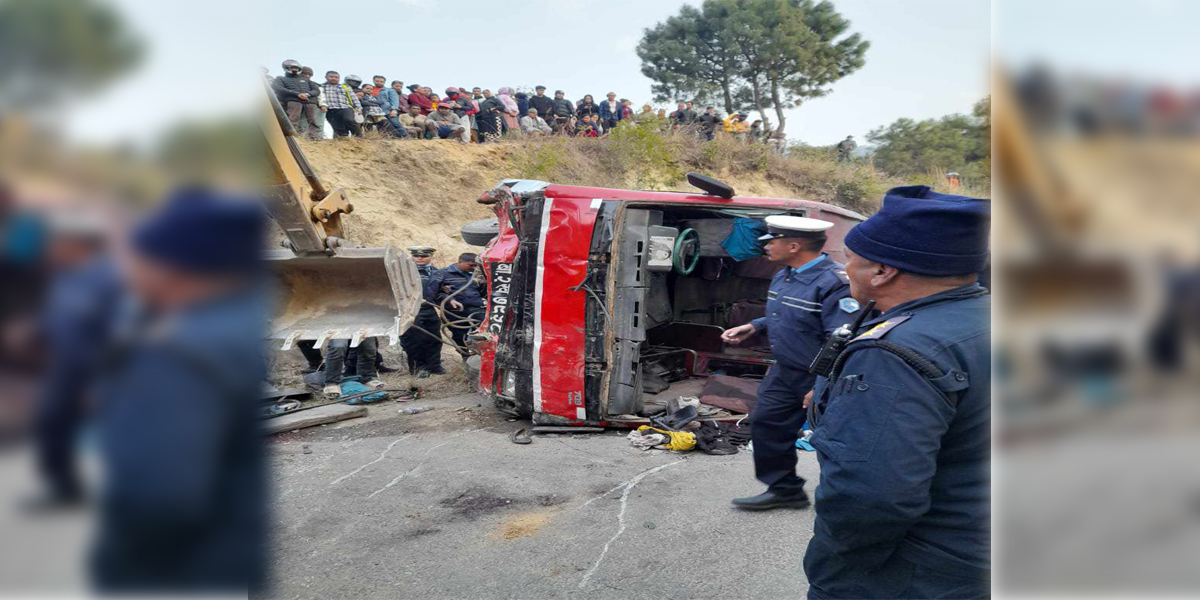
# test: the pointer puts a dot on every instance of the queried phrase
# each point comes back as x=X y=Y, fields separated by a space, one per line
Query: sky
x=1149 y=40
x=928 y=58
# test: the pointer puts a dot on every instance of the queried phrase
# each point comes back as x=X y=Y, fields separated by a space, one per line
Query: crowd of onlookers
x=352 y=106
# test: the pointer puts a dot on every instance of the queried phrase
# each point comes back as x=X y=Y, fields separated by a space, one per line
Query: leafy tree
x=688 y=56
x=776 y=52
x=51 y=49
x=952 y=143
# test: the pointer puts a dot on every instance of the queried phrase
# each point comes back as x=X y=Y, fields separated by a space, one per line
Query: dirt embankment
x=409 y=193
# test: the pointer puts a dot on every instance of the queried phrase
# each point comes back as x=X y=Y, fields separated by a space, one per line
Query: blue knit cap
x=921 y=231
x=205 y=232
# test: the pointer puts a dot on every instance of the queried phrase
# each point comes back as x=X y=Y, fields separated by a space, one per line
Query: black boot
x=771 y=499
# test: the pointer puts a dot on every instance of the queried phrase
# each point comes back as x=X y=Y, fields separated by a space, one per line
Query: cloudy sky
x=928 y=58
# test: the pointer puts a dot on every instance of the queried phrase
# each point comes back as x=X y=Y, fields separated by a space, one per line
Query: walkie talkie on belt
x=822 y=365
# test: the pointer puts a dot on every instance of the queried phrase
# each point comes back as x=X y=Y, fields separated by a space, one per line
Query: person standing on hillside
x=390 y=103
x=317 y=133
x=419 y=99
x=709 y=122
x=489 y=118
x=808 y=299
x=298 y=95
x=511 y=111
x=845 y=148
x=610 y=112
x=543 y=103
x=342 y=105
x=401 y=97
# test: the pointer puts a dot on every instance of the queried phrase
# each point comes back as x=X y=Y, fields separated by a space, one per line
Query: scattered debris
x=311 y=418
x=520 y=436
x=305 y=449
x=646 y=437
x=650 y=525
x=412 y=410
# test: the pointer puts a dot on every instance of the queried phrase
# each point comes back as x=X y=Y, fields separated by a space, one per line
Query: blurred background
x=1096 y=254
x=105 y=108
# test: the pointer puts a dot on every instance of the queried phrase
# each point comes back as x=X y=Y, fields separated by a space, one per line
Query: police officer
x=462 y=298
x=901 y=423
x=422 y=343
x=807 y=299
x=184 y=505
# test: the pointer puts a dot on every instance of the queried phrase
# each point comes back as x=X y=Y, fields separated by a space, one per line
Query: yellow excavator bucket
x=327 y=288
x=353 y=294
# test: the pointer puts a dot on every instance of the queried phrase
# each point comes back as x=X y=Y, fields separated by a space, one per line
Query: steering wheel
x=687 y=252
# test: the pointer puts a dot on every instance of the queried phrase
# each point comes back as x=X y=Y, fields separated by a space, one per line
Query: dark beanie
x=921 y=231
x=204 y=232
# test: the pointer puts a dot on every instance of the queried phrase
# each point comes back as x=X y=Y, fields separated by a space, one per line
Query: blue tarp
x=742 y=243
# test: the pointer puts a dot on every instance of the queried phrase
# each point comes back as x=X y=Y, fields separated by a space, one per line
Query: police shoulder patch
x=881 y=329
x=848 y=304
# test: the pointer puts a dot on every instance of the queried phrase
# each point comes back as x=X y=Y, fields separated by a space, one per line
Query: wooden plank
x=317 y=416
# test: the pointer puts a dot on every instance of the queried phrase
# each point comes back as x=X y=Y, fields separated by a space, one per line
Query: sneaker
x=374 y=384
x=382 y=368
x=422 y=374
x=332 y=390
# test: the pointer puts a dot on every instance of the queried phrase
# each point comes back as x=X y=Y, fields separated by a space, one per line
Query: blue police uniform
x=469 y=294
x=904 y=458
x=79 y=311
x=901 y=425
x=803 y=305
x=423 y=350
x=184 y=504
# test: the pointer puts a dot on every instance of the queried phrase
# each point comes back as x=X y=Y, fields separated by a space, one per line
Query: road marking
x=381 y=455
x=422 y=463
x=629 y=485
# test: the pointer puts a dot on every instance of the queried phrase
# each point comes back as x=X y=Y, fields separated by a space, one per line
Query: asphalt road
x=443 y=505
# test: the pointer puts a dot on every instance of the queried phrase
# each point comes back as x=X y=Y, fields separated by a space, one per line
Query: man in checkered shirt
x=341 y=106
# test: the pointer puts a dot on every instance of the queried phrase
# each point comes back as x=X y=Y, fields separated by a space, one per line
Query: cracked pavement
x=442 y=505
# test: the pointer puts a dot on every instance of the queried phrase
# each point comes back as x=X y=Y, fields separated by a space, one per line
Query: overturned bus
x=604 y=302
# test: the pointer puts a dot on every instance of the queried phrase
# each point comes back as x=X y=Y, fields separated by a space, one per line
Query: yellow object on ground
x=681 y=441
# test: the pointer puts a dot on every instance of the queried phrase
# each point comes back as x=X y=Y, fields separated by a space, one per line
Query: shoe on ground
x=310 y=369
x=374 y=384
x=386 y=369
x=437 y=371
x=770 y=500
x=422 y=374
x=332 y=391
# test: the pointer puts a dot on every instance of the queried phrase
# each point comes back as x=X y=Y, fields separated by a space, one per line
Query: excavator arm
x=328 y=288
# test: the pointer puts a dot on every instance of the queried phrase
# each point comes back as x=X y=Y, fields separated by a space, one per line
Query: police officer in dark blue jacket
x=85 y=291
x=183 y=508
x=422 y=343
x=901 y=423
x=808 y=299
x=462 y=298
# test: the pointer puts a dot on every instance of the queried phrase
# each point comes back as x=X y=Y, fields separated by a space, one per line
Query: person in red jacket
x=419 y=98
